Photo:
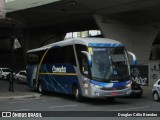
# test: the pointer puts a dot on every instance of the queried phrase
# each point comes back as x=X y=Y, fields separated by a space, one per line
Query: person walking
x=11 y=88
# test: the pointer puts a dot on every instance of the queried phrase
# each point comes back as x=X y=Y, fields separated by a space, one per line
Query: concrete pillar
x=28 y=41
x=136 y=36
x=2 y=9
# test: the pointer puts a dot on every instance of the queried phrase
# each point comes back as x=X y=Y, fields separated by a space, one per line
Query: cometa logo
x=59 y=69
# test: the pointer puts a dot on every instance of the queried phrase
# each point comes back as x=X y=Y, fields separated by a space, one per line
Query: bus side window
x=84 y=66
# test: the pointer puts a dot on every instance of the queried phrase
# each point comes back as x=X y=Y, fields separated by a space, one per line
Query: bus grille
x=117 y=88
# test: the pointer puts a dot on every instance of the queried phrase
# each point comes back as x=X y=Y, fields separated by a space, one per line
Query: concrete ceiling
x=72 y=15
x=16 y=5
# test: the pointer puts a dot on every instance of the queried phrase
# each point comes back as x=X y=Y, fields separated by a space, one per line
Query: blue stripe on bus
x=61 y=84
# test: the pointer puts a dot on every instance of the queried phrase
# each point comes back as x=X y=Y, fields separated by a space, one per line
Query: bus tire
x=39 y=87
x=76 y=93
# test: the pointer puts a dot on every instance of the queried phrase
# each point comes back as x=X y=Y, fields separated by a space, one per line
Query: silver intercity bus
x=83 y=67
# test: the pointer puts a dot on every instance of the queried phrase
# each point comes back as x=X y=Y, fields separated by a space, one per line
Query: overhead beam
x=129 y=6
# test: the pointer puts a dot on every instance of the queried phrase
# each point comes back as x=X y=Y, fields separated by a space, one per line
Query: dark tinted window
x=80 y=48
x=22 y=73
x=83 y=62
x=34 y=57
x=60 y=55
x=6 y=70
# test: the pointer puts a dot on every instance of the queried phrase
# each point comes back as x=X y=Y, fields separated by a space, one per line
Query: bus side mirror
x=88 y=57
x=134 y=57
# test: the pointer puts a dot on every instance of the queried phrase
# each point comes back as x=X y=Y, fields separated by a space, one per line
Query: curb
x=20 y=97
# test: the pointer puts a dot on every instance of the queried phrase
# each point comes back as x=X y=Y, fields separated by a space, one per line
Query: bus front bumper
x=98 y=93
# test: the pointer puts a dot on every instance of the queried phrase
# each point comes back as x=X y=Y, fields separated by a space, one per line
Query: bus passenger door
x=84 y=66
x=85 y=71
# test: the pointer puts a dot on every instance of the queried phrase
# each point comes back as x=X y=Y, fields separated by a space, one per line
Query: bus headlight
x=96 y=86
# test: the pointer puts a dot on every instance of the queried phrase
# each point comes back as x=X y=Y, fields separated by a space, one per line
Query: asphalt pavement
x=52 y=103
x=24 y=99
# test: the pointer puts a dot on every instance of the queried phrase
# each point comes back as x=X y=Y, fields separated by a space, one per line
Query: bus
x=83 y=67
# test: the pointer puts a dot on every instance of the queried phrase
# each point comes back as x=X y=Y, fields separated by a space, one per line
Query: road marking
x=62 y=106
x=48 y=99
x=19 y=102
x=20 y=110
x=24 y=100
x=31 y=100
x=131 y=108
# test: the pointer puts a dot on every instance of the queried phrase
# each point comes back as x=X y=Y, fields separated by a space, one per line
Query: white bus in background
x=83 y=67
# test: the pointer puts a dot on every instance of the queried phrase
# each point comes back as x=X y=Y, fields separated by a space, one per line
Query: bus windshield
x=109 y=64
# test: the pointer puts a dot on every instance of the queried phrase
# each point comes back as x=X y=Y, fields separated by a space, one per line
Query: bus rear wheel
x=76 y=93
x=40 y=89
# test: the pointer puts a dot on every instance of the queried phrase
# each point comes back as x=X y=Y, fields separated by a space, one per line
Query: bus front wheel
x=76 y=93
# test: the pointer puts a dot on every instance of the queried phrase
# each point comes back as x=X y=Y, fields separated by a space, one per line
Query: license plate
x=114 y=93
x=136 y=91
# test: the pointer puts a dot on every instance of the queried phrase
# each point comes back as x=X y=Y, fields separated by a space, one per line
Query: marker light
x=128 y=85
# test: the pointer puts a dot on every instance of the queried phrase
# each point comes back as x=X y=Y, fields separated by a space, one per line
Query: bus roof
x=83 y=41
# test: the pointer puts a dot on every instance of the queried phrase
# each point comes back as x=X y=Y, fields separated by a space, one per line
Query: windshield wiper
x=100 y=79
x=97 y=78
